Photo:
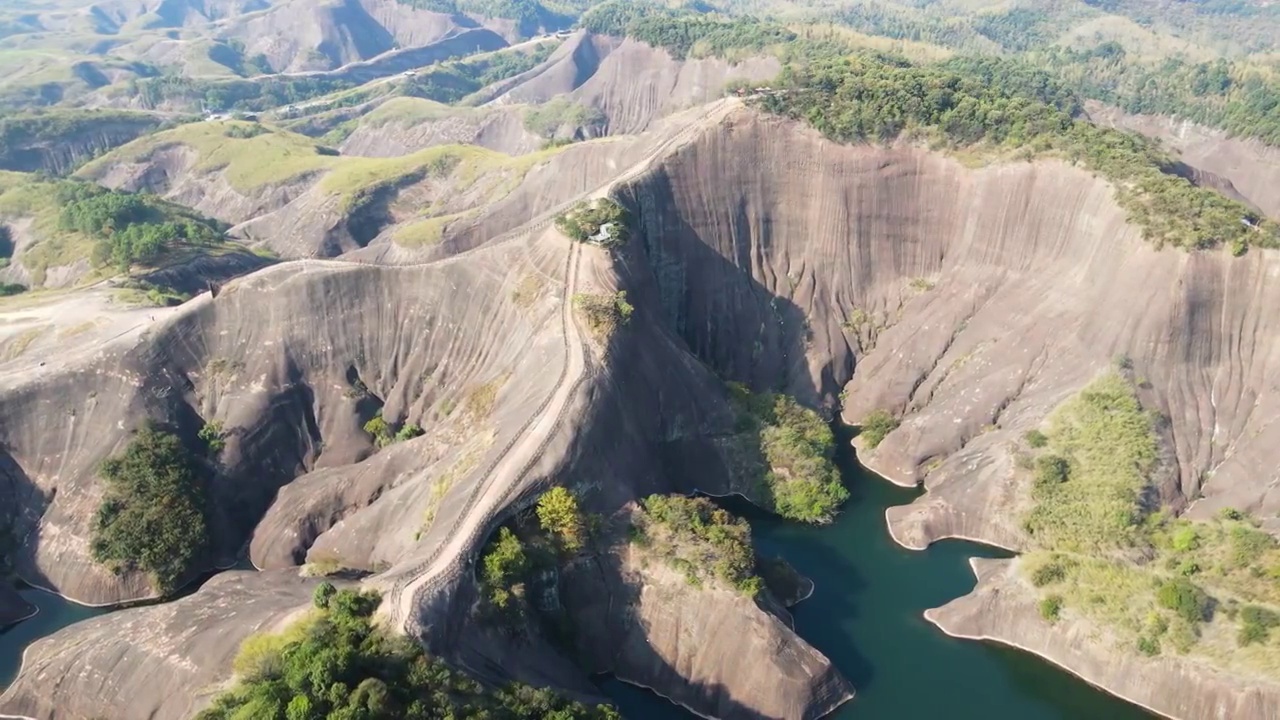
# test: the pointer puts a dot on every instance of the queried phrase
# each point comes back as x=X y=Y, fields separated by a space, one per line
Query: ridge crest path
x=490 y=497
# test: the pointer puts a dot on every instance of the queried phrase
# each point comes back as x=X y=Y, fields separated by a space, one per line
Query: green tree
x=1052 y=470
x=381 y=432
x=1184 y=598
x=151 y=517
x=337 y=665
x=213 y=437
x=322 y=595
x=559 y=515
x=505 y=561
x=300 y=708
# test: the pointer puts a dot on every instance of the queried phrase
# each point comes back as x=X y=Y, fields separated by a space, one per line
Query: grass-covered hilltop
x=1164 y=585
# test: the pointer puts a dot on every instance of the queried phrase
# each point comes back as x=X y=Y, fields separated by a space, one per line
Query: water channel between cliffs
x=865 y=615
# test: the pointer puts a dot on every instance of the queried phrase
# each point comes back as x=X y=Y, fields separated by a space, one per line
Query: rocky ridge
x=961 y=299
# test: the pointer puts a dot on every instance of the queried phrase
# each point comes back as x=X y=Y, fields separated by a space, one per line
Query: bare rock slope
x=178 y=653
x=969 y=301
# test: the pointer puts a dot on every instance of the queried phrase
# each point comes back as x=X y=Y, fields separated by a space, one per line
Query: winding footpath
x=491 y=495
x=503 y=482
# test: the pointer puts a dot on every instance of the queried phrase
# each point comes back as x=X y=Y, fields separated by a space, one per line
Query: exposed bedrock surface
x=624 y=431
x=709 y=649
x=1004 y=608
x=292 y=361
x=162 y=661
x=631 y=83
x=969 y=301
x=974 y=301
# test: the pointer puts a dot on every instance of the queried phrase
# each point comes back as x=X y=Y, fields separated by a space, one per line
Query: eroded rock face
x=630 y=83
x=292 y=361
x=969 y=301
x=974 y=301
x=61 y=155
x=710 y=649
x=1003 y=609
x=162 y=661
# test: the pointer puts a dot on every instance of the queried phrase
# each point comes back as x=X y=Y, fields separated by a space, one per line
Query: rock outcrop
x=968 y=301
x=710 y=649
x=86 y=139
x=161 y=661
x=1003 y=609
x=630 y=83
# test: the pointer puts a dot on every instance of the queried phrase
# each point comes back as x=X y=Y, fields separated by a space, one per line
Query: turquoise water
x=865 y=615
x=55 y=614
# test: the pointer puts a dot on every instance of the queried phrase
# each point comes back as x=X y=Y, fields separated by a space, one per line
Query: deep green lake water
x=866 y=616
x=55 y=614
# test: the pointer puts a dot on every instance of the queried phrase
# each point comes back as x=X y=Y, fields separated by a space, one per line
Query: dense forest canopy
x=1240 y=96
x=1006 y=105
x=152 y=516
x=129 y=227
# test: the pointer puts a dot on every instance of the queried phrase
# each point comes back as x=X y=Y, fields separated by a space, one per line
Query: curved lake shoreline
x=867 y=615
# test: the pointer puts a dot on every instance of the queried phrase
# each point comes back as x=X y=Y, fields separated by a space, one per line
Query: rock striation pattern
x=161 y=661
x=969 y=301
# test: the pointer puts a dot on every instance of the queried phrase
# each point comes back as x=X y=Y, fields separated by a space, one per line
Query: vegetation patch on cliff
x=785 y=453
x=875 y=427
x=604 y=313
x=129 y=228
x=1162 y=584
x=20 y=131
x=699 y=539
x=598 y=222
x=247 y=163
x=548 y=119
x=1006 y=105
x=529 y=552
x=453 y=81
x=1088 y=484
x=682 y=33
x=336 y=663
x=152 y=518
x=384 y=433
x=72 y=221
